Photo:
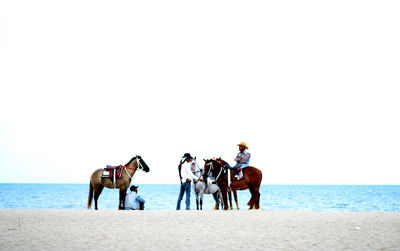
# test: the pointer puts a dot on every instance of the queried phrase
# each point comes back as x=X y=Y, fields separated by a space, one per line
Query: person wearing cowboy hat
x=242 y=159
x=134 y=201
x=186 y=178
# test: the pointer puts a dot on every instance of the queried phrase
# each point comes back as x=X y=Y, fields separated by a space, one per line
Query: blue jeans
x=185 y=187
x=235 y=167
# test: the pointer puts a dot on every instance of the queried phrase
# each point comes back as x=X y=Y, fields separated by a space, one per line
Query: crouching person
x=133 y=201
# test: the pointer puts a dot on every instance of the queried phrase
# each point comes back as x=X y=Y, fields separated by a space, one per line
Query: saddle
x=112 y=172
x=239 y=173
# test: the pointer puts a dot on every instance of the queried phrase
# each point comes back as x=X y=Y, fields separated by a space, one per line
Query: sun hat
x=243 y=144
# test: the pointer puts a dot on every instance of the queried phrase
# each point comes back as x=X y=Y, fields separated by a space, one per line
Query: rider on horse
x=242 y=159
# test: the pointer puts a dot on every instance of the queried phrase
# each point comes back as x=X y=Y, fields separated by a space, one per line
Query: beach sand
x=197 y=230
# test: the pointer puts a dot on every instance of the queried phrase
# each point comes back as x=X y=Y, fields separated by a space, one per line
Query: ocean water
x=164 y=197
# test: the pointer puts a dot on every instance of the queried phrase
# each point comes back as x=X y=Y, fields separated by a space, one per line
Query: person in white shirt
x=134 y=201
x=186 y=178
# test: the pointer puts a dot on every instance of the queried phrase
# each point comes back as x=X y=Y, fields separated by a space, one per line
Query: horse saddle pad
x=110 y=171
x=240 y=173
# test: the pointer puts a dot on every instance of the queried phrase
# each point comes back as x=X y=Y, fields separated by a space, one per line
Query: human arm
x=237 y=159
x=243 y=160
x=188 y=172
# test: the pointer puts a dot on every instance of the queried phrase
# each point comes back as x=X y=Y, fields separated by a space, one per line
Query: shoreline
x=198 y=230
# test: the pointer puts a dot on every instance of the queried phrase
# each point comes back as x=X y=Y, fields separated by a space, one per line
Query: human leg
x=141 y=205
x=187 y=190
x=182 y=190
x=237 y=169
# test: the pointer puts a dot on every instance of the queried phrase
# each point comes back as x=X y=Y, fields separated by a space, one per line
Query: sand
x=197 y=230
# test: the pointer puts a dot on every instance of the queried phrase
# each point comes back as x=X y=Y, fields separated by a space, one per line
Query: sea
x=325 y=198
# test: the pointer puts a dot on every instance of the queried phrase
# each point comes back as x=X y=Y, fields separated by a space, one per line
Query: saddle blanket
x=240 y=174
x=109 y=172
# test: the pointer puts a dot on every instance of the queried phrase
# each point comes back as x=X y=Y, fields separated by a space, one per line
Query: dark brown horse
x=97 y=183
x=252 y=181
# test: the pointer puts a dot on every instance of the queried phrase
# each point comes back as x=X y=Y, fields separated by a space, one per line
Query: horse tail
x=91 y=191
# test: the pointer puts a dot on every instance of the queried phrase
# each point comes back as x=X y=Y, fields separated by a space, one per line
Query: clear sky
x=312 y=87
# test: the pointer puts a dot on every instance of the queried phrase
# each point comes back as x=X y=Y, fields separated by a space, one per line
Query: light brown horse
x=252 y=181
x=97 y=183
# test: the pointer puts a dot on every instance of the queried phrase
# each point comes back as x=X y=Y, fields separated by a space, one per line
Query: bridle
x=139 y=167
x=212 y=168
x=197 y=170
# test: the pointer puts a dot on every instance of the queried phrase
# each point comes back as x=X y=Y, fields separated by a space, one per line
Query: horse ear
x=204 y=160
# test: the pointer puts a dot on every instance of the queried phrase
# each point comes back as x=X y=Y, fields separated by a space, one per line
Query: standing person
x=134 y=201
x=242 y=159
x=186 y=178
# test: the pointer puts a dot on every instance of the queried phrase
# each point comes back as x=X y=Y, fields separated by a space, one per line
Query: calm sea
x=164 y=197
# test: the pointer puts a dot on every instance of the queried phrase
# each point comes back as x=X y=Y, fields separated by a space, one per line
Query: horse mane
x=220 y=161
x=130 y=161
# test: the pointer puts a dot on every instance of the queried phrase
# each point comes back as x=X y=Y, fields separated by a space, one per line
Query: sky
x=312 y=87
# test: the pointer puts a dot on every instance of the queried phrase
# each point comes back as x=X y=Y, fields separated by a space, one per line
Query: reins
x=139 y=167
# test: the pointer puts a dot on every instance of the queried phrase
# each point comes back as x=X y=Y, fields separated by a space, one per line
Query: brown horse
x=97 y=183
x=252 y=181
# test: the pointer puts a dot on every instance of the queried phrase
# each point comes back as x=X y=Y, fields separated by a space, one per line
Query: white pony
x=200 y=188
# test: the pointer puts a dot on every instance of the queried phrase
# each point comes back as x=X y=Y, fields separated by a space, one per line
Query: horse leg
x=257 y=197
x=220 y=198
x=236 y=199
x=251 y=201
x=122 y=194
x=201 y=199
x=197 y=201
x=230 y=200
x=225 y=200
x=215 y=195
x=97 y=193
x=123 y=198
x=253 y=198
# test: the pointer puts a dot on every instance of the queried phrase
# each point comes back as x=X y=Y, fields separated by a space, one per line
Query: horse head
x=141 y=164
x=212 y=167
x=207 y=169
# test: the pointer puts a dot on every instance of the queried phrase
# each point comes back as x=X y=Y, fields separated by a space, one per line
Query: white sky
x=312 y=87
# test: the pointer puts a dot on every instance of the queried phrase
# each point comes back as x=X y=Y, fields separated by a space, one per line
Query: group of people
x=187 y=165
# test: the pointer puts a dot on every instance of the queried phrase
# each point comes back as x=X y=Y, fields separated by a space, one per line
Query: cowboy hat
x=243 y=144
x=187 y=155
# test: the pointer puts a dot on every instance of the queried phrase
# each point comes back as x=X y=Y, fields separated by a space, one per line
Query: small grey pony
x=201 y=188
